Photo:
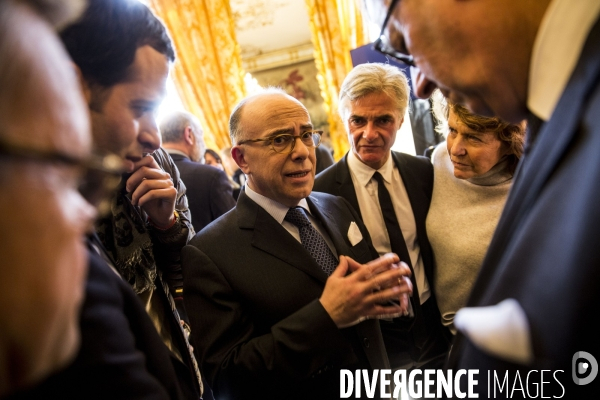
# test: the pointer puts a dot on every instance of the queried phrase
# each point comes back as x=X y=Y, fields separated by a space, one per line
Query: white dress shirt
x=556 y=50
x=278 y=211
x=368 y=201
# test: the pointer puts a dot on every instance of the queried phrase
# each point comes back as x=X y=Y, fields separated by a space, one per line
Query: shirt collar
x=274 y=208
x=173 y=151
x=363 y=173
x=557 y=48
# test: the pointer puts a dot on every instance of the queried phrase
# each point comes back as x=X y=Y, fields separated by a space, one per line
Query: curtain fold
x=336 y=27
x=208 y=72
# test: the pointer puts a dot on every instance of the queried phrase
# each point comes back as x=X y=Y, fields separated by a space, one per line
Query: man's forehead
x=373 y=103
x=48 y=108
x=273 y=112
x=148 y=66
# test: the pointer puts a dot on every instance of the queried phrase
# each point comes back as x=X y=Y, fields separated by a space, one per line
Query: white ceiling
x=266 y=26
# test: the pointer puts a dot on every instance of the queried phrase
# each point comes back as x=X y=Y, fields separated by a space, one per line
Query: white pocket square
x=354 y=234
x=501 y=330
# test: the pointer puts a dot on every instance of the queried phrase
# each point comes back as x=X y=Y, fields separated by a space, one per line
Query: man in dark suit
x=373 y=100
x=209 y=192
x=122 y=54
x=324 y=158
x=538 y=287
x=267 y=320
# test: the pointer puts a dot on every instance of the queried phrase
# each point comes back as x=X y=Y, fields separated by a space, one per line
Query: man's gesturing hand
x=367 y=291
x=152 y=189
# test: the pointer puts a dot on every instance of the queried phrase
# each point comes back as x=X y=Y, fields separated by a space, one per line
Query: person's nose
x=457 y=148
x=300 y=151
x=422 y=87
x=149 y=136
x=370 y=132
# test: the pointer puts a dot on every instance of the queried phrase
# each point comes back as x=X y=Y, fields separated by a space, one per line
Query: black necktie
x=392 y=225
x=312 y=240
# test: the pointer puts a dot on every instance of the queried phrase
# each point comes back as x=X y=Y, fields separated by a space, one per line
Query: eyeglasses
x=383 y=45
x=101 y=173
x=285 y=143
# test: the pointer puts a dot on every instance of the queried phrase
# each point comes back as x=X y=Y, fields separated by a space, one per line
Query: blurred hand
x=369 y=291
x=152 y=189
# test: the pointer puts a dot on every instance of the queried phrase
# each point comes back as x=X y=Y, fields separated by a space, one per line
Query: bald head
x=257 y=103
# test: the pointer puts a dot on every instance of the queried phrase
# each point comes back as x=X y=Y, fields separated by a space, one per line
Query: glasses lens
x=383 y=46
x=312 y=138
x=282 y=143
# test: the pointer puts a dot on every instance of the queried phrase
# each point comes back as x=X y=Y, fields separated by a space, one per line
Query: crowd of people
x=137 y=264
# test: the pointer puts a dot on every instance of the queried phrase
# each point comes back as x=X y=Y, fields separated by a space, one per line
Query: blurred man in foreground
x=43 y=153
x=539 y=283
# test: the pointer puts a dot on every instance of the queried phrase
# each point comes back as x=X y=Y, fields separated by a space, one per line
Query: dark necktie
x=312 y=240
x=397 y=242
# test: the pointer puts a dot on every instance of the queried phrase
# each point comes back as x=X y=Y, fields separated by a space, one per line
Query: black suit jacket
x=545 y=252
x=417 y=176
x=252 y=294
x=209 y=192
x=121 y=355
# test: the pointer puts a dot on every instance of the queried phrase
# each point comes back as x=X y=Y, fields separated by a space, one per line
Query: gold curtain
x=208 y=72
x=337 y=28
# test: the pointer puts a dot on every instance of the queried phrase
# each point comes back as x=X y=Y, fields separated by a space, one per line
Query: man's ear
x=237 y=153
x=401 y=122
x=188 y=136
x=83 y=83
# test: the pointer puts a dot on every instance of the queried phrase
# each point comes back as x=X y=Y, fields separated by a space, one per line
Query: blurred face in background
x=210 y=159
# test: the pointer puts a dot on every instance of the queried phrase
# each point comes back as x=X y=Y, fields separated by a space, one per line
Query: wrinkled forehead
x=273 y=112
x=45 y=107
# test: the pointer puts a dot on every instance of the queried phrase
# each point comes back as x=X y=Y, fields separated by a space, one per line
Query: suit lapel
x=420 y=206
x=272 y=238
x=337 y=230
x=345 y=184
x=333 y=226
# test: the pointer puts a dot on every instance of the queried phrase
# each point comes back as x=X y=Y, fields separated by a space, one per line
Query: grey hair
x=173 y=125
x=365 y=79
x=235 y=120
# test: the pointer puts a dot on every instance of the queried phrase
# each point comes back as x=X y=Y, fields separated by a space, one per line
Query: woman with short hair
x=473 y=172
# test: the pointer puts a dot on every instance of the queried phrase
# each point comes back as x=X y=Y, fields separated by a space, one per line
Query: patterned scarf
x=124 y=235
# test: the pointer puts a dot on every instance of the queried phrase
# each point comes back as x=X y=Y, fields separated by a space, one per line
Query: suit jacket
x=417 y=175
x=324 y=158
x=121 y=355
x=209 y=192
x=257 y=324
x=545 y=252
